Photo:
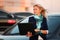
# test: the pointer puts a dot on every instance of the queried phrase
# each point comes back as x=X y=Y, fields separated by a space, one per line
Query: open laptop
x=25 y=27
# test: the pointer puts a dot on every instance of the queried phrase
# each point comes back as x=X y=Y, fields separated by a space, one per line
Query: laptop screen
x=25 y=27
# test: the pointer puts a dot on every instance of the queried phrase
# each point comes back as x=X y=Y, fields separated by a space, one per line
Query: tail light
x=11 y=21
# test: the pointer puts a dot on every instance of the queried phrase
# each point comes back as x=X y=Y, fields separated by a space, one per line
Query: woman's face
x=36 y=10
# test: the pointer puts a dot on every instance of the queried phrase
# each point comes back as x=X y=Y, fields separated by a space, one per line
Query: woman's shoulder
x=45 y=17
x=31 y=17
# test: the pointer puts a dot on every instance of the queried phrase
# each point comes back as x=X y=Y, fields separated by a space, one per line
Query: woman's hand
x=42 y=31
x=29 y=34
x=37 y=30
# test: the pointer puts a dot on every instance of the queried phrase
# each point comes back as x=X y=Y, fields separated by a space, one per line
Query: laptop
x=25 y=27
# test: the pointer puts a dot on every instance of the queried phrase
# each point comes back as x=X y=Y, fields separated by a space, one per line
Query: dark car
x=9 y=24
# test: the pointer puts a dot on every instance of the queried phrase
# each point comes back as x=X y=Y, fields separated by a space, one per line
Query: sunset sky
x=21 y=5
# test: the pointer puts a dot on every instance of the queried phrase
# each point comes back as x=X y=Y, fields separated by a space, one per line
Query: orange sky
x=20 y=5
x=14 y=6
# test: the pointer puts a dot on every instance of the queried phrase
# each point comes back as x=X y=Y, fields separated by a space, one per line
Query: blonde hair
x=42 y=9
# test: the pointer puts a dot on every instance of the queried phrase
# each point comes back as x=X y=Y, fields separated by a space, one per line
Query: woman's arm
x=44 y=27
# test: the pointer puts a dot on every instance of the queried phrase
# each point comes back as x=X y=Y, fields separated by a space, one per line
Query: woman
x=40 y=23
